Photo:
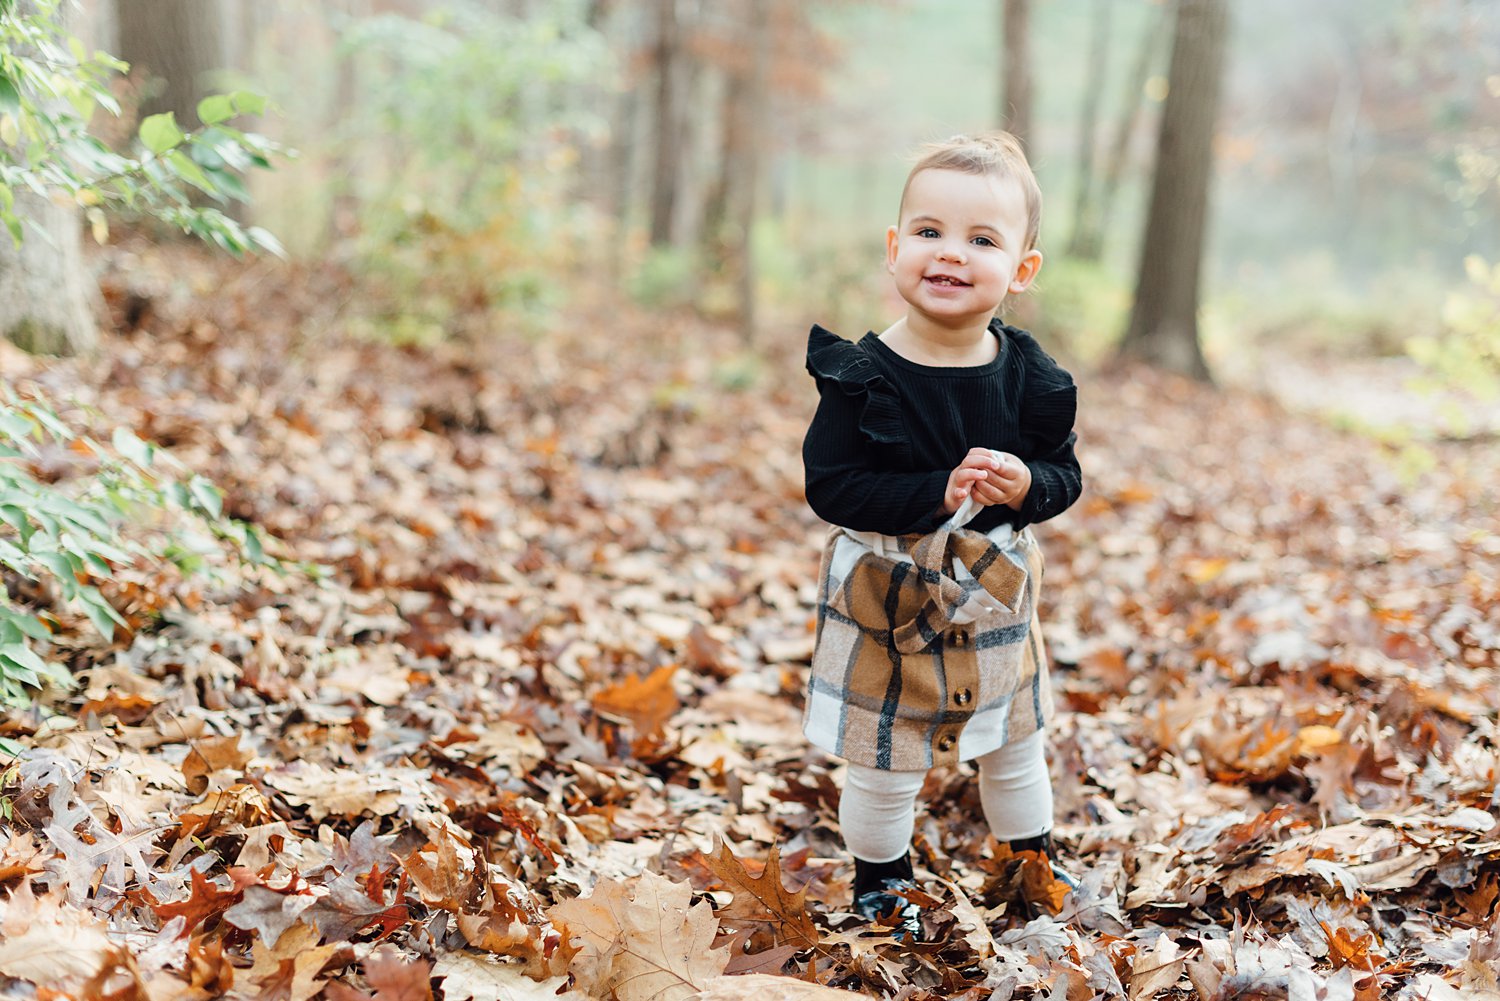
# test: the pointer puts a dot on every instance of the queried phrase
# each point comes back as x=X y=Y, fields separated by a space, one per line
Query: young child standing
x=935 y=445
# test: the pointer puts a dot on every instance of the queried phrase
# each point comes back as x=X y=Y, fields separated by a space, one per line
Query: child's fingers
x=987 y=495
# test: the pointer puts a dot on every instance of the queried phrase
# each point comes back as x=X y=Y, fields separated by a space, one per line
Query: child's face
x=959 y=248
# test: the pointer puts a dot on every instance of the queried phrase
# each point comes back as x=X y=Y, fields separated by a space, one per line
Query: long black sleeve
x=844 y=488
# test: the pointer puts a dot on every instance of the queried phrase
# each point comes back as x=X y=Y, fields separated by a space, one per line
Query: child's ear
x=890 y=248
x=1026 y=271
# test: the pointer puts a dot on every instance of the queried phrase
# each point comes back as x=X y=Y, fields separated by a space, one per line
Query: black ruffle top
x=889 y=431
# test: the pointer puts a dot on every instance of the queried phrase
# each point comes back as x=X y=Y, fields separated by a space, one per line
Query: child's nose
x=952 y=252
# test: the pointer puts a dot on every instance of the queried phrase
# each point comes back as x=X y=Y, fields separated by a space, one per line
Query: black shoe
x=1043 y=843
x=887 y=903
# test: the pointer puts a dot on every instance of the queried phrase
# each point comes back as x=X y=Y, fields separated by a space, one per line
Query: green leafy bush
x=50 y=87
x=477 y=210
x=1467 y=354
x=1083 y=305
x=61 y=537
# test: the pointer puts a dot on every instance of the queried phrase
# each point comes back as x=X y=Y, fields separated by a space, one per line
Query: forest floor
x=537 y=728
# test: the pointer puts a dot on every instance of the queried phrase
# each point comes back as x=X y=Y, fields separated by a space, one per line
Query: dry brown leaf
x=290 y=970
x=646 y=702
x=467 y=977
x=391 y=977
x=443 y=871
x=49 y=944
x=270 y=912
x=1479 y=900
x=204 y=900
x=210 y=755
x=766 y=987
x=762 y=901
x=643 y=941
x=1157 y=968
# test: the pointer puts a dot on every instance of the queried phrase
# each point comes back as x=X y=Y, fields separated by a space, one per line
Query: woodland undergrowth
x=538 y=728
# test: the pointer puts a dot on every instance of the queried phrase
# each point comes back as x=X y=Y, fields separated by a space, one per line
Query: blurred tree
x=1015 y=68
x=730 y=206
x=175 y=45
x=669 y=64
x=44 y=299
x=1163 y=327
x=1085 y=240
x=1093 y=223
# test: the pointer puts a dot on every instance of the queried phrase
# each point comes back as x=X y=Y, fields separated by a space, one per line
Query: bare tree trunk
x=1016 y=83
x=664 y=176
x=757 y=103
x=1085 y=204
x=46 y=291
x=176 y=44
x=1164 y=320
x=1125 y=127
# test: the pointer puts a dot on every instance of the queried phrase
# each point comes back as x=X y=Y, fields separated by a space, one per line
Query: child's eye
x=983 y=241
x=927 y=232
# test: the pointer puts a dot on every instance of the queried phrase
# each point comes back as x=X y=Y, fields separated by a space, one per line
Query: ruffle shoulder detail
x=835 y=362
x=1049 y=402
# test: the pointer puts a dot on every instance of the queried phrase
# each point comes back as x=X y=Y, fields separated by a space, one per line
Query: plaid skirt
x=928 y=649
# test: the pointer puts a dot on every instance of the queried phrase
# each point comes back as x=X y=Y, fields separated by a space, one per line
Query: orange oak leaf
x=126 y=707
x=646 y=702
x=443 y=871
x=1345 y=949
x=205 y=900
x=1480 y=899
x=763 y=901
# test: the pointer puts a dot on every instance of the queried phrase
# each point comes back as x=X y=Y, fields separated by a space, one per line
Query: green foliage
x=484 y=108
x=1466 y=355
x=50 y=86
x=1082 y=304
x=667 y=278
x=60 y=540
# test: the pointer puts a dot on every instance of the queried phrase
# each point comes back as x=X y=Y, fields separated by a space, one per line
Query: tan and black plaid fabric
x=928 y=647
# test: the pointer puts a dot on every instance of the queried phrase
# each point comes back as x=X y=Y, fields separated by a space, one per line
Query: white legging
x=878 y=808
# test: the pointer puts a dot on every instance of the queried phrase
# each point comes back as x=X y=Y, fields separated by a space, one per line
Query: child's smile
x=958 y=250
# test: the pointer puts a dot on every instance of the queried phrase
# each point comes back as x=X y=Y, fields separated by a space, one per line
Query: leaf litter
x=536 y=734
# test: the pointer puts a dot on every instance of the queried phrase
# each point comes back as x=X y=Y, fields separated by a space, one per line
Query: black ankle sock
x=872 y=875
x=1041 y=843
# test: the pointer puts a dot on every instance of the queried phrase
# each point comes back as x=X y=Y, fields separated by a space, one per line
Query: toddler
x=935 y=445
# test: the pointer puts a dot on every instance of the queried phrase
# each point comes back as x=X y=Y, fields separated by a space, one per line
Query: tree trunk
x=1119 y=148
x=1084 y=242
x=45 y=289
x=1015 y=86
x=1164 y=320
x=664 y=175
x=757 y=103
x=175 y=45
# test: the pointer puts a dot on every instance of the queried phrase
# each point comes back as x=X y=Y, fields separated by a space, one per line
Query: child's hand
x=1006 y=480
x=972 y=475
x=1008 y=484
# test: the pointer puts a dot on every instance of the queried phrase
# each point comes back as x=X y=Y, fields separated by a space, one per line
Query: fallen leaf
x=762 y=900
x=642 y=941
x=1157 y=968
x=646 y=702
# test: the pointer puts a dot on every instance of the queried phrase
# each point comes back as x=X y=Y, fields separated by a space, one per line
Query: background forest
x=408 y=582
x=740 y=158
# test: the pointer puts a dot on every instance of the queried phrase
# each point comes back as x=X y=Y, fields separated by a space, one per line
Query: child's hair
x=992 y=154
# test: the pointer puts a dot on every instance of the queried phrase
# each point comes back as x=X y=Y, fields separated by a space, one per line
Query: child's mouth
x=946 y=280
